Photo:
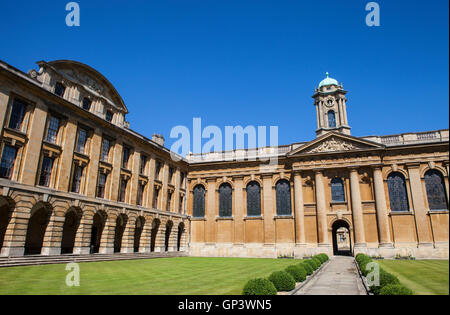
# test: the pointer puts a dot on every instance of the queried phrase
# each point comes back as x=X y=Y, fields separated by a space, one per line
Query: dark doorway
x=37 y=225
x=140 y=222
x=96 y=234
x=342 y=241
x=121 y=222
x=70 y=229
x=4 y=220
x=155 y=227
x=180 y=235
x=169 y=226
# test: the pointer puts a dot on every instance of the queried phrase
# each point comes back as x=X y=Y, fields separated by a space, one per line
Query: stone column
x=107 y=238
x=127 y=245
x=358 y=219
x=268 y=215
x=51 y=244
x=425 y=237
x=144 y=245
x=115 y=174
x=133 y=184
x=84 y=233
x=4 y=99
x=238 y=210
x=321 y=209
x=382 y=213
x=68 y=146
x=92 y=174
x=300 y=237
x=211 y=214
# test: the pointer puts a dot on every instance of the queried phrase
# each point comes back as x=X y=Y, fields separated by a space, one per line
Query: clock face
x=330 y=103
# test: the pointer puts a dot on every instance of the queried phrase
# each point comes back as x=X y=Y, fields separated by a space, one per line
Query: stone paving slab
x=339 y=277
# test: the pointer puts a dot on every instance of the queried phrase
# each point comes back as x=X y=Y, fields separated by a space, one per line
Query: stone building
x=389 y=192
x=74 y=178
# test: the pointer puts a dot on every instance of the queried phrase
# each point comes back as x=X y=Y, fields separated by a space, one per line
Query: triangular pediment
x=334 y=142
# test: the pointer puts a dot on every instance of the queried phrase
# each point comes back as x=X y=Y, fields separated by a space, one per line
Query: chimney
x=159 y=139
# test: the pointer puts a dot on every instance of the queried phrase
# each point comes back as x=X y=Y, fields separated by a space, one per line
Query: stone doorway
x=140 y=222
x=121 y=223
x=342 y=241
x=37 y=225
x=96 y=234
x=71 y=224
x=4 y=219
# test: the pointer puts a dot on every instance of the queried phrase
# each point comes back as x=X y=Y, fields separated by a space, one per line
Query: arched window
x=283 y=190
x=331 y=119
x=253 y=199
x=434 y=183
x=337 y=190
x=225 y=203
x=199 y=202
x=397 y=192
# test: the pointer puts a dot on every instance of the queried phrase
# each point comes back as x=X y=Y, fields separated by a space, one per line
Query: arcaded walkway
x=338 y=277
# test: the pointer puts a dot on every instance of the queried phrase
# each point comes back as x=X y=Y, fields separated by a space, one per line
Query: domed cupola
x=328 y=81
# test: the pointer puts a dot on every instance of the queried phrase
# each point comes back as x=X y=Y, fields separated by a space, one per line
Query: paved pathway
x=338 y=277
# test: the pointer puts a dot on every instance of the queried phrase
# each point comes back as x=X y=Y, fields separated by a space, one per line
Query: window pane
x=109 y=116
x=155 y=198
x=101 y=185
x=7 y=162
x=77 y=177
x=125 y=157
x=87 y=104
x=53 y=128
x=283 y=191
x=143 y=164
x=331 y=119
x=82 y=138
x=123 y=190
x=46 y=171
x=337 y=190
x=225 y=201
x=397 y=192
x=106 y=146
x=60 y=89
x=17 y=115
x=253 y=199
x=199 y=202
x=437 y=198
x=140 y=194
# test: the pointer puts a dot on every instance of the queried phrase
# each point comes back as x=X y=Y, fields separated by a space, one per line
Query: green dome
x=328 y=81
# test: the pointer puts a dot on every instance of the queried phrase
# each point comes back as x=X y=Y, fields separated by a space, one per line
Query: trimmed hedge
x=259 y=287
x=322 y=257
x=312 y=263
x=282 y=281
x=318 y=262
x=297 y=272
x=309 y=270
x=385 y=279
x=395 y=289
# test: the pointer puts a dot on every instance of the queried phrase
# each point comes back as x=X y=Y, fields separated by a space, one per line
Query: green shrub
x=309 y=270
x=297 y=272
x=259 y=287
x=312 y=263
x=318 y=262
x=395 y=289
x=385 y=279
x=324 y=257
x=359 y=257
x=320 y=258
x=282 y=281
x=362 y=261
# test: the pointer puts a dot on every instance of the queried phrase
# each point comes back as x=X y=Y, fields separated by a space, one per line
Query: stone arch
x=71 y=224
x=138 y=229
x=154 y=234
x=37 y=225
x=180 y=235
x=168 y=232
x=342 y=241
x=6 y=209
x=98 y=225
x=121 y=223
x=249 y=179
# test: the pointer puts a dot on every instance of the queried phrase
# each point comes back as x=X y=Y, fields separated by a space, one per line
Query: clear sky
x=249 y=62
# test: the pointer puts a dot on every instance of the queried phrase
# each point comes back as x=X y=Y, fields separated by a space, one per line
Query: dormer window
x=109 y=116
x=60 y=89
x=87 y=104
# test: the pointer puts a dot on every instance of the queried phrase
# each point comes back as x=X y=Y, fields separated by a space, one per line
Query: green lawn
x=172 y=276
x=424 y=277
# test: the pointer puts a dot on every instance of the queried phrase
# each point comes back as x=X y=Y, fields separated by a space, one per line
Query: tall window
x=106 y=147
x=182 y=178
x=180 y=208
x=87 y=104
x=170 y=175
x=60 y=89
x=225 y=201
x=123 y=189
x=397 y=192
x=109 y=116
x=169 y=201
x=157 y=169
x=199 y=202
x=17 y=115
x=331 y=119
x=125 y=157
x=337 y=190
x=7 y=161
x=101 y=185
x=82 y=139
x=140 y=196
x=253 y=199
x=434 y=183
x=283 y=191
x=46 y=171
x=53 y=129
x=155 y=198
x=143 y=164
x=77 y=178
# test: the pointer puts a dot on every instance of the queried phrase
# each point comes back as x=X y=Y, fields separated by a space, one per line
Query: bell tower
x=331 y=107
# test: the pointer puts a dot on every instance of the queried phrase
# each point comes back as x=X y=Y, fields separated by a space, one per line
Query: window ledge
x=282 y=217
x=400 y=213
x=336 y=203
x=224 y=219
x=253 y=218
x=443 y=211
x=198 y=219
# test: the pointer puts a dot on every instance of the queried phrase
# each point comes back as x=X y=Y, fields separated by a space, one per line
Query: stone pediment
x=333 y=142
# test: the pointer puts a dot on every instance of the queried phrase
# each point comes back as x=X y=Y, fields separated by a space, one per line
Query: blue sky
x=249 y=62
